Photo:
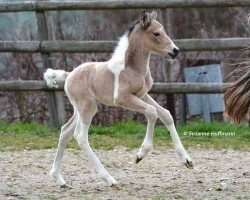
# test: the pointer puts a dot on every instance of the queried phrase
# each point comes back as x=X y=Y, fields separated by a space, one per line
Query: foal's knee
x=151 y=113
x=167 y=117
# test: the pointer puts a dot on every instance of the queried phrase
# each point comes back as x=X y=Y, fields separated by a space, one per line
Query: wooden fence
x=158 y=88
x=221 y=44
x=121 y=4
x=45 y=46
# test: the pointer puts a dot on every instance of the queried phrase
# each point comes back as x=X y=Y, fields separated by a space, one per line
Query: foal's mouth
x=173 y=56
x=174 y=53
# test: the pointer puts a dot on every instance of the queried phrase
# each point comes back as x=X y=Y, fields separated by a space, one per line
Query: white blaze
x=117 y=63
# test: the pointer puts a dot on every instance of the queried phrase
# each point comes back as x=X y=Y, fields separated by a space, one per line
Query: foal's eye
x=156 y=34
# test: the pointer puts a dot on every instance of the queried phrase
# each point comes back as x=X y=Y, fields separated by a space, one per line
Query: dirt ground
x=218 y=174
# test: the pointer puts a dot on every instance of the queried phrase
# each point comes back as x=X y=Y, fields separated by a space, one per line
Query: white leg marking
x=177 y=143
x=147 y=144
x=82 y=138
x=167 y=119
x=65 y=136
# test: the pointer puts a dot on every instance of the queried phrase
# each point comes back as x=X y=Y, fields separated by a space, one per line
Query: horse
x=122 y=81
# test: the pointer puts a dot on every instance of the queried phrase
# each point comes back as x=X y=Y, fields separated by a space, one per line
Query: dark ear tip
x=145 y=20
x=144 y=14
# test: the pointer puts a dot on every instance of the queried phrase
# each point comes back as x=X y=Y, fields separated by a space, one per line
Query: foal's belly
x=102 y=86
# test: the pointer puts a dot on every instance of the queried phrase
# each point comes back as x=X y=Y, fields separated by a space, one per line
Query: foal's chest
x=132 y=82
x=146 y=85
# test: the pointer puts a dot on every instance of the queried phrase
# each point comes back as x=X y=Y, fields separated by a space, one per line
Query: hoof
x=137 y=160
x=65 y=186
x=189 y=164
x=115 y=186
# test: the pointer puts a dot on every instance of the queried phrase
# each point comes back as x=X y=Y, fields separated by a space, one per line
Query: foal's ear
x=145 y=20
x=153 y=15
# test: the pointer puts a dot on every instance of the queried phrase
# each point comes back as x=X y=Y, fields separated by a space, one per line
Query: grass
x=18 y=136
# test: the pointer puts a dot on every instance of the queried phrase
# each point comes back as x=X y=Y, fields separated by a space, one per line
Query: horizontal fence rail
x=45 y=47
x=158 y=88
x=218 y=44
x=121 y=4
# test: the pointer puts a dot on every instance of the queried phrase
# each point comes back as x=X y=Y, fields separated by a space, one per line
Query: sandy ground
x=218 y=174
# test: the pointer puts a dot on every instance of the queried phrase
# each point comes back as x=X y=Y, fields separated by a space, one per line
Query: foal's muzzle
x=175 y=53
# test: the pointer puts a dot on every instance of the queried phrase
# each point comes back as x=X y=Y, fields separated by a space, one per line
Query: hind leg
x=67 y=131
x=86 y=112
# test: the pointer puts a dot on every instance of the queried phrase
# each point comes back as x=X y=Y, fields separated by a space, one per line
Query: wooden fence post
x=57 y=115
x=183 y=106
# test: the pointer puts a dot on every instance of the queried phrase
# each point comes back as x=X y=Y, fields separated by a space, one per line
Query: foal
x=122 y=81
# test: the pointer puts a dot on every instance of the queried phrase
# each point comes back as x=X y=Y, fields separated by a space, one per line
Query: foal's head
x=154 y=36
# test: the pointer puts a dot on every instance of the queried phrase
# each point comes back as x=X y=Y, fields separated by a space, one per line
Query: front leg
x=132 y=102
x=147 y=144
x=167 y=119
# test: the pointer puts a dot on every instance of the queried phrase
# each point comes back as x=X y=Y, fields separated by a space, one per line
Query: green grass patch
x=18 y=136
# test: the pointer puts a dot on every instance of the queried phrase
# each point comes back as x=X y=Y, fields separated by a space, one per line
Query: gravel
x=217 y=174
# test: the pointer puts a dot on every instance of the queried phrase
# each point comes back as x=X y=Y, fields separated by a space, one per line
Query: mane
x=118 y=57
x=117 y=62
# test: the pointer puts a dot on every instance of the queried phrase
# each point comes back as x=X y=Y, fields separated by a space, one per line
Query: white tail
x=52 y=77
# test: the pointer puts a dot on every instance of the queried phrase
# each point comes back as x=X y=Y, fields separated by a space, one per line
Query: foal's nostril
x=176 y=51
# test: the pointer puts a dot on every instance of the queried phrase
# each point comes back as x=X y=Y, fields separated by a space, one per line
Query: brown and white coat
x=122 y=81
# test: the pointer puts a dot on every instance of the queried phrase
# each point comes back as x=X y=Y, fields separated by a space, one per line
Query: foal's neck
x=137 y=57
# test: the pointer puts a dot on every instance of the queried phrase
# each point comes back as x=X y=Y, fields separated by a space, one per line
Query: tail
x=237 y=97
x=52 y=77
